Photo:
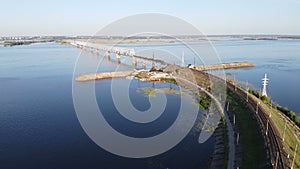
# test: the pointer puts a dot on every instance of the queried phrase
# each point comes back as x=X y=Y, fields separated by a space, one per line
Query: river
x=39 y=127
x=279 y=59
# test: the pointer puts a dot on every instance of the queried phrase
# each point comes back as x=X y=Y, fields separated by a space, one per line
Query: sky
x=212 y=17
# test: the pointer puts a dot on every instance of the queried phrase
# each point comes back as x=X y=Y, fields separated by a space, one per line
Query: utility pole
x=227 y=107
x=271 y=109
x=295 y=153
x=194 y=62
x=267 y=127
x=257 y=107
x=234 y=83
x=153 y=64
x=276 y=162
x=237 y=138
x=182 y=59
x=284 y=130
x=234 y=119
x=247 y=88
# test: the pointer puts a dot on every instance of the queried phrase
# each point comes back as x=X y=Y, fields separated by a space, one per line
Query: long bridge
x=129 y=52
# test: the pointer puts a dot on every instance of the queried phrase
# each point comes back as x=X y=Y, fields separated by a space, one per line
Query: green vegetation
x=226 y=141
x=265 y=99
x=14 y=43
x=292 y=115
x=169 y=80
x=290 y=137
x=203 y=100
x=154 y=69
x=253 y=153
x=255 y=93
x=204 y=103
x=151 y=92
x=64 y=42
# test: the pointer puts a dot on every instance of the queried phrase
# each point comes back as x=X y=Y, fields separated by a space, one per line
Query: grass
x=151 y=92
x=169 y=80
x=253 y=153
x=290 y=139
x=290 y=114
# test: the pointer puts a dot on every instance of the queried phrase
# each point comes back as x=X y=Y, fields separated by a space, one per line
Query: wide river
x=279 y=59
x=39 y=127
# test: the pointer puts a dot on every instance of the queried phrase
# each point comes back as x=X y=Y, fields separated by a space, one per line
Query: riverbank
x=289 y=132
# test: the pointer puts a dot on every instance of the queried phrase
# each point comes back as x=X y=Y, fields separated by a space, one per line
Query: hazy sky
x=58 y=17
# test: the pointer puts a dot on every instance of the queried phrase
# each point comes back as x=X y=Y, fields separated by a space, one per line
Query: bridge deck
x=113 y=49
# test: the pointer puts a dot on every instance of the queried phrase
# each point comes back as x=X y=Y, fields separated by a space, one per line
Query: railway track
x=271 y=135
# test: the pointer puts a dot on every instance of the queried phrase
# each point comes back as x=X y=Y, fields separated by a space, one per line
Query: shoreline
x=159 y=74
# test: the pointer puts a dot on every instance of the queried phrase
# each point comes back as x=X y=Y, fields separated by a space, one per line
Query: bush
x=255 y=93
x=154 y=69
x=284 y=110
x=292 y=115
x=169 y=80
x=265 y=99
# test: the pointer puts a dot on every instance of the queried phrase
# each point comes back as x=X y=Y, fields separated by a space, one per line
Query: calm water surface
x=39 y=127
x=280 y=59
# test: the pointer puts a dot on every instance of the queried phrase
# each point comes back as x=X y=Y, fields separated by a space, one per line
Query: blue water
x=39 y=127
x=280 y=59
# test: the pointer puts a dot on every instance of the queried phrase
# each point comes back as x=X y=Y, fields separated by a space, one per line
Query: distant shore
x=171 y=41
x=23 y=42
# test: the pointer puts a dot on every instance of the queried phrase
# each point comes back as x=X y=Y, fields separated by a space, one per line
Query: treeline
x=15 y=43
x=292 y=115
x=203 y=100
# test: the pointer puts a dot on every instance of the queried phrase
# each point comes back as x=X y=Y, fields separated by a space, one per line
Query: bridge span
x=119 y=51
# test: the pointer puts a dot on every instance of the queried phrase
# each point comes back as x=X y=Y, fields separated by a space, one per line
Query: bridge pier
x=108 y=55
x=118 y=57
x=134 y=62
x=144 y=65
x=91 y=47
